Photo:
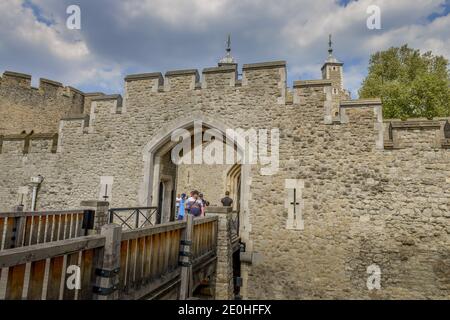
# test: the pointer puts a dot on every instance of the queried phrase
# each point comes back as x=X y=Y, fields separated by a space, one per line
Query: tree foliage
x=409 y=83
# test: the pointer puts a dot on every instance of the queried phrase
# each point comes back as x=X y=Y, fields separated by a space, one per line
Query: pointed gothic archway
x=161 y=144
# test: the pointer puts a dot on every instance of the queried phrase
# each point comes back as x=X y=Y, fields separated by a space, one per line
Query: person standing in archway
x=227 y=201
x=194 y=204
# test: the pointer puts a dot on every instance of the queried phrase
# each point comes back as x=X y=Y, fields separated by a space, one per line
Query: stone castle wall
x=373 y=193
x=24 y=108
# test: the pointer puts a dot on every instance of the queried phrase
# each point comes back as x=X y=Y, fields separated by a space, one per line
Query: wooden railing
x=19 y=229
x=116 y=264
x=204 y=237
x=148 y=257
x=39 y=272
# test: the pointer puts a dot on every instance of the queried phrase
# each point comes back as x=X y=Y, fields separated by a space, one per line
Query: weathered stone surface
x=362 y=205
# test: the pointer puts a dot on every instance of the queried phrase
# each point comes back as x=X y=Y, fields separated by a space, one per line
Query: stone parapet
x=224 y=272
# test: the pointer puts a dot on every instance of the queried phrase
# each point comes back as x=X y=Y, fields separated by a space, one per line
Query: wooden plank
x=54 y=278
x=124 y=255
x=62 y=227
x=56 y=227
x=177 y=247
x=69 y=218
x=87 y=274
x=27 y=231
x=42 y=251
x=34 y=230
x=37 y=273
x=49 y=232
x=38 y=213
x=198 y=221
x=9 y=233
x=162 y=253
x=80 y=231
x=20 y=231
x=14 y=286
x=42 y=228
x=155 y=256
x=72 y=260
x=147 y=258
x=147 y=231
x=139 y=262
x=2 y=231
x=170 y=250
x=131 y=268
x=174 y=248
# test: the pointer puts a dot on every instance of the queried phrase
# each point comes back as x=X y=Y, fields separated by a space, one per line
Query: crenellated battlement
x=417 y=133
x=265 y=74
x=15 y=80
x=85 y=112
x=23 y=144
x=23 y=107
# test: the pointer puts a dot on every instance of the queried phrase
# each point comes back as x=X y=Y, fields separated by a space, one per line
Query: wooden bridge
x=81 y=255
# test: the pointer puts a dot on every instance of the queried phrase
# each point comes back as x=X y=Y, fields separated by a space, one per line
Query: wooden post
x=101 y=213
x=20 y=231
x=107 y=281
x=185 y=259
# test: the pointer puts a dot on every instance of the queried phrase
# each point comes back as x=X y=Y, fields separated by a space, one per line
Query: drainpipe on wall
x=35 y=183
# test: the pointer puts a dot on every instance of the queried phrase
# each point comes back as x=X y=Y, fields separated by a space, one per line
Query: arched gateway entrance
x=163 y=179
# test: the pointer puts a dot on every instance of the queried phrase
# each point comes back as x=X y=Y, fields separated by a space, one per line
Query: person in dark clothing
x=227 y=201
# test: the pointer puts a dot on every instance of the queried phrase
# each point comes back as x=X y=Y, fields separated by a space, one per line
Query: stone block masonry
x=373 y=191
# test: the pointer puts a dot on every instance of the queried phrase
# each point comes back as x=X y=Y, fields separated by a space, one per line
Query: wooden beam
x=16 y=256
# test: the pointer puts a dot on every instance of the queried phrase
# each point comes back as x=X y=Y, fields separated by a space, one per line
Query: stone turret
x=332 y=70
x=228 y=60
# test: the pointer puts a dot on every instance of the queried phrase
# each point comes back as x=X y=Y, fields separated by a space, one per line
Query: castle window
x=335 y=91
x=294 y=203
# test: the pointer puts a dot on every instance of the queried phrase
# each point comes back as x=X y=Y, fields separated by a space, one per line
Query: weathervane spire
x=228 y=59
x=330 y=48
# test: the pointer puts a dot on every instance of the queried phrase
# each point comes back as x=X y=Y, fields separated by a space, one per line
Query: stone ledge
x=337 y=64
x=15 y=137
x=94 y=94
x=43 y=136
x=415 y=124
x=17 y=75
x=50 y=82
x=185 y=72
x=76 y=117
x=108 y=97
x=144 y=76
x=211 y=209
x=76 y=90
x=93 y=203
x=311 y=83
x=360 y=103
x=264 y=65
x=224 y=69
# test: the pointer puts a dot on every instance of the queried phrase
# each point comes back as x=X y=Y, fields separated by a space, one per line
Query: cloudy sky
x=135 y=36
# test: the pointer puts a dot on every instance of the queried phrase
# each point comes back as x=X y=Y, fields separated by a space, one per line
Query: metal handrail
x=137 y=212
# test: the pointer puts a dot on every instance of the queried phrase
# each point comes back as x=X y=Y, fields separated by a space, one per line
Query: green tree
x=409 y=83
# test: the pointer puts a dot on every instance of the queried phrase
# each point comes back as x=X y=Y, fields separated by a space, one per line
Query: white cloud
x=157 y=35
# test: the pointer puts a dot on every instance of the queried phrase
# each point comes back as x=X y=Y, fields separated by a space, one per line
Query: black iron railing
x=235 y=223
x=134 y=218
